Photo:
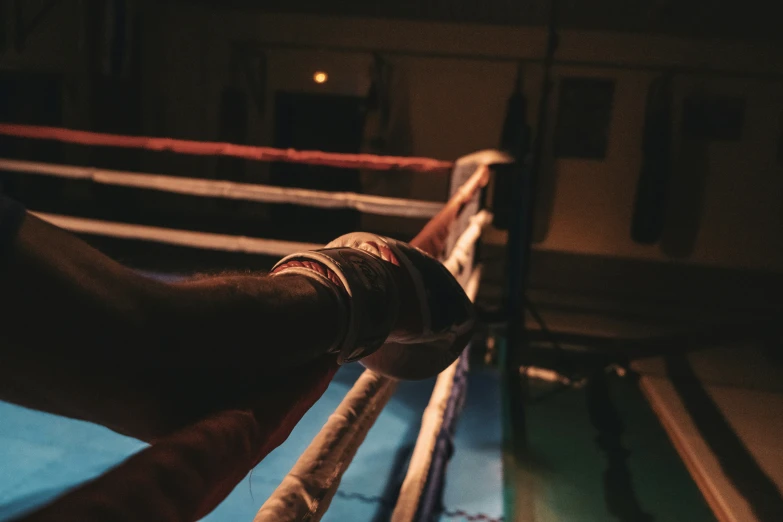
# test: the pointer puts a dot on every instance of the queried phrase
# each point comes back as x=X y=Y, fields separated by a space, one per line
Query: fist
x=407 y=317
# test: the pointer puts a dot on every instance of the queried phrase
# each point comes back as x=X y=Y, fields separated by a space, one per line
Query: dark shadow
x=32 y=98
x=545 y=197
x=387 y=130
x=391 y=490
x=735 y=460
x=324 y=122
x=629 y=349
x=652 y=190
x=619 y=494
x=547 y=186
x=686 y=199
x=385 y=504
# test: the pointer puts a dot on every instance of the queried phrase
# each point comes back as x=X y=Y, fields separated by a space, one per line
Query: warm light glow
x=320 y=77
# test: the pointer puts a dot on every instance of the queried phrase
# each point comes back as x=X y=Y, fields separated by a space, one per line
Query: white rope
x=462 y=253
x=306 y=492
x=380 y=205
x=247 y=245
x=431 y=421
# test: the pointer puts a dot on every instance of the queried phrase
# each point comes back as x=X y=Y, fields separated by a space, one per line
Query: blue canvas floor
x=474 y=478
x=42 y=456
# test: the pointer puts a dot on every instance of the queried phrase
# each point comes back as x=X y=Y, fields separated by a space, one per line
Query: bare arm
x=84 y=336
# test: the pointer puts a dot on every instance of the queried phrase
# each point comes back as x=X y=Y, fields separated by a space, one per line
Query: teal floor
x=599 y=454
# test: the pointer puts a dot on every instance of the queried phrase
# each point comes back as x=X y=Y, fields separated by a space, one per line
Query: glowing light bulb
x=320 y=77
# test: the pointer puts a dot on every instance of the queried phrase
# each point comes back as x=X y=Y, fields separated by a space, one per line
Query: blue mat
x=43 y=456
x=474 y=477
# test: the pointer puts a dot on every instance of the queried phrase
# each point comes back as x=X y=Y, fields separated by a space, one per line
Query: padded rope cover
x=431 y=501
x=369 y=204
x=306 y=492
x=170 y=236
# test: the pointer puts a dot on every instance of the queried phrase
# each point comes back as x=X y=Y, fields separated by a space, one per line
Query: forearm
x=68 y=315
x=261 y=324
x=78 y=329
x=62 y=298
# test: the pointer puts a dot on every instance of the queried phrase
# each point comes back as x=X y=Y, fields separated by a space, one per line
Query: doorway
x=325 y=122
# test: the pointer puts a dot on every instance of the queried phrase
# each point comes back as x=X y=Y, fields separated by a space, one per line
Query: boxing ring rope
x=379 y=205
x=209 y=148
x=229 y=444
x=170 y=236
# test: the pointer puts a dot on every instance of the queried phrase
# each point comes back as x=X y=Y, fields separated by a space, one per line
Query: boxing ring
x=371 y=449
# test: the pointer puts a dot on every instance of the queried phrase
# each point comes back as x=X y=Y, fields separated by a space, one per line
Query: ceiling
x=747 y=20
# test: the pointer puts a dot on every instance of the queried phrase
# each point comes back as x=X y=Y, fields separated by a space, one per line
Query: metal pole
x=523 y=187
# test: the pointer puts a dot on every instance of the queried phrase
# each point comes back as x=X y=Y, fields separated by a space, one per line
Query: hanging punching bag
x=653 y=188
x=514 y=140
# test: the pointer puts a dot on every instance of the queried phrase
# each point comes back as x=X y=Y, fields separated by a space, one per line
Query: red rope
x=209 y=148
x=432 y=237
